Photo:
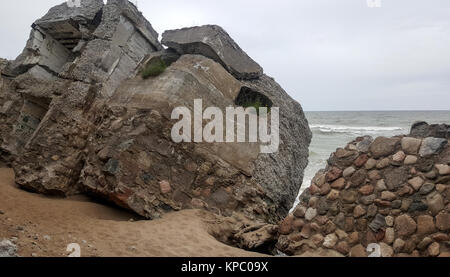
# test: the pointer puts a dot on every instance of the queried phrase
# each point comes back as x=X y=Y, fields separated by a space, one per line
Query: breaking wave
x=359 y=130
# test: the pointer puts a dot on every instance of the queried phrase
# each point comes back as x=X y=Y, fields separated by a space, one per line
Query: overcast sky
x=327 y=54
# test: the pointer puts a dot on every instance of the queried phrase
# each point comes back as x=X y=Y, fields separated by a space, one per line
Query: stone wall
x=394 y=192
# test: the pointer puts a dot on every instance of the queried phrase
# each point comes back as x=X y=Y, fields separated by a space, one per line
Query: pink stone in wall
x=165 y=187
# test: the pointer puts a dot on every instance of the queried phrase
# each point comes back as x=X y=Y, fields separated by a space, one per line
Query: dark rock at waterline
x=422 y=129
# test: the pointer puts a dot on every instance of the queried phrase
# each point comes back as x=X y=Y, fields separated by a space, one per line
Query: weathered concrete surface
x=168 y=56
x=3 y=64
x=55 y=35
x=10 y=105
x=121 y=40
x=246 y=234
x=213 y=42
x=85 y=14
x=52 y=157
x=82 y=120
x=45 y=113
x=40 y=50
x=223 y=177
x=281 y=174
x=66 y=40
x=26 y=101
x=70 y=25
x=113 y=23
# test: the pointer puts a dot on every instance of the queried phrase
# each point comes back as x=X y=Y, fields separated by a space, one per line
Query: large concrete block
x=69 y=25
x=41 y=49
x=86 y=13
x=213 y=42
x=112 y=23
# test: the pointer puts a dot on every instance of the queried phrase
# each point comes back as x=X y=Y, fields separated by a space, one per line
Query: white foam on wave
x=353 y=129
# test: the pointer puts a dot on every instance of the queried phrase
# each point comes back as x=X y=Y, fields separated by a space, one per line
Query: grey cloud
x=328 y=54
